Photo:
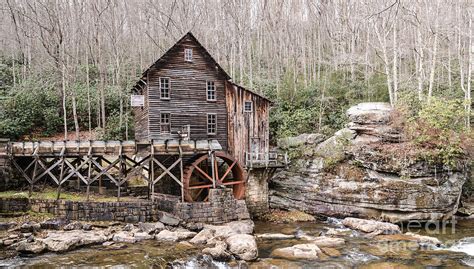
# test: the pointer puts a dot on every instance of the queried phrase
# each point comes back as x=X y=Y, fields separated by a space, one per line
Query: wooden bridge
x=90 y=161
x=195 y=165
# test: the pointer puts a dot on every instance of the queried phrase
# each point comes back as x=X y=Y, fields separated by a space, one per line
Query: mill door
x=255 y=147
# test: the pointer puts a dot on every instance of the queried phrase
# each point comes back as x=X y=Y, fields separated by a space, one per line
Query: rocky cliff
x=366 y=170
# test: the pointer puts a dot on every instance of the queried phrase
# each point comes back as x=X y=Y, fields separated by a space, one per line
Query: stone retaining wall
x=10 y=205
x=222 y=207
x=256 y=194
x=99 y=211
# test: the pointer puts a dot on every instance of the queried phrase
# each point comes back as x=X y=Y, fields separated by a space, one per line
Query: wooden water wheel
x=198 y=176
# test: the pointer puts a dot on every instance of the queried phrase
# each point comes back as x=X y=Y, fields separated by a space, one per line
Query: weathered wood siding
x=247 y=131
x=187 y=104
x=141 y=118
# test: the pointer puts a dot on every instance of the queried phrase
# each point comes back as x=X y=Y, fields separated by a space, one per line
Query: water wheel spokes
x=199 y=178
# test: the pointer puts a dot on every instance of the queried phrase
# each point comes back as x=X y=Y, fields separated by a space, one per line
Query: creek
x=456 y=251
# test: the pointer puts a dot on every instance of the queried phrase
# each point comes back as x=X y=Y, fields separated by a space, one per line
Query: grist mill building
x=188 y=95
x=199 y=138
x=187 y=88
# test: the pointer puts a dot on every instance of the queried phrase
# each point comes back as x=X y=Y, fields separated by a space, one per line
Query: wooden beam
x=167 y=171
x=104 y=171
x=22 y=171
x=47 y=170
x=228 y=171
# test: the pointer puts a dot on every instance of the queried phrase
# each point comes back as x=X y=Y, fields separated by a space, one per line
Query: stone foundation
x=256 y=194
x=6 y=181
x=222 y=207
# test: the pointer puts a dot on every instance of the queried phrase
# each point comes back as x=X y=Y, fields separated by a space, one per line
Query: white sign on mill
x=137 y=100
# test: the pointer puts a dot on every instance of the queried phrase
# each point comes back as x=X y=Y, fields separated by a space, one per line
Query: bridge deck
x=113 y=148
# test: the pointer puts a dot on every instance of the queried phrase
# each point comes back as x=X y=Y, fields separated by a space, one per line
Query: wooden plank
x=113 y=148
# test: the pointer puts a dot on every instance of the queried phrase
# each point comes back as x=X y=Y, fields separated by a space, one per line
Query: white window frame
x=169 y=89
x=161 y=123
x=188 y=55
x=214 y=90
x=251 y=106
x=215 y=123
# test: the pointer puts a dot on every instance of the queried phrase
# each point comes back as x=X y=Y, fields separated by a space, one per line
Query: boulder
x=218 y=252
x=166 y=235
x=6 y=225
x=424 y=239
x=243 y=246
x=169 y=219
x=300 y=251
x=331 y=252
x=61 y=241
x=370 y=113
x=421 y=239
x=371 y=226
x=339 y=232
x=139 y=236
x=128 y=227
x=76 y=225
x=202 y=237
x=300 y=140
x=108 y=243
x=8 y=242
x=125 y=237
x=275 y=236
x=367 y=134
x=53 y=224
x=183 y=234
x=333 y=149
x=30 y=226
x=324 y=241
x=93 y=238
x=34 y=247
x=231 y=228
x=194 y=226
x=151 y=227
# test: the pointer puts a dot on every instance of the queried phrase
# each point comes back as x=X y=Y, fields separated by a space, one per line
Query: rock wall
x=222 y=207
x=362 y=172
x=10 y=205
x=89 y=211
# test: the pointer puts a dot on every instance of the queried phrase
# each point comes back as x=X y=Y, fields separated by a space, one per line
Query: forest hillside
x=68 y=66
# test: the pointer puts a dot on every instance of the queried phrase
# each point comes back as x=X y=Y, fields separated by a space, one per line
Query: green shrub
x=319 y=106
x=438 y=128
x=113 y=130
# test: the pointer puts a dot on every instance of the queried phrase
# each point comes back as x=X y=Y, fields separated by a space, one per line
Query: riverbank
x=334 y=244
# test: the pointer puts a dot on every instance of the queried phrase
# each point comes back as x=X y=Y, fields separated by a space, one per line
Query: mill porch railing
x=266 y=159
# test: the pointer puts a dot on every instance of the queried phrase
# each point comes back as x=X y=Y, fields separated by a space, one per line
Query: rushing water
x=457 y=251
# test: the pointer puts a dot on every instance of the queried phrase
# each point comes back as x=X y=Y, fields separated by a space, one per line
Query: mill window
x=165 y=123
x=211 y=91
x=164 y=88
x=211 y=124
x=248 y=106
x=188 y=55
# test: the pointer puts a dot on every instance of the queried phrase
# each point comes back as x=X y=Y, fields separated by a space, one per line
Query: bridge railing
x=266 y=159
x=4 y=143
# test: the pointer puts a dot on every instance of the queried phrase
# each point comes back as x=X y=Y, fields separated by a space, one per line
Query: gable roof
x=158 y=63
